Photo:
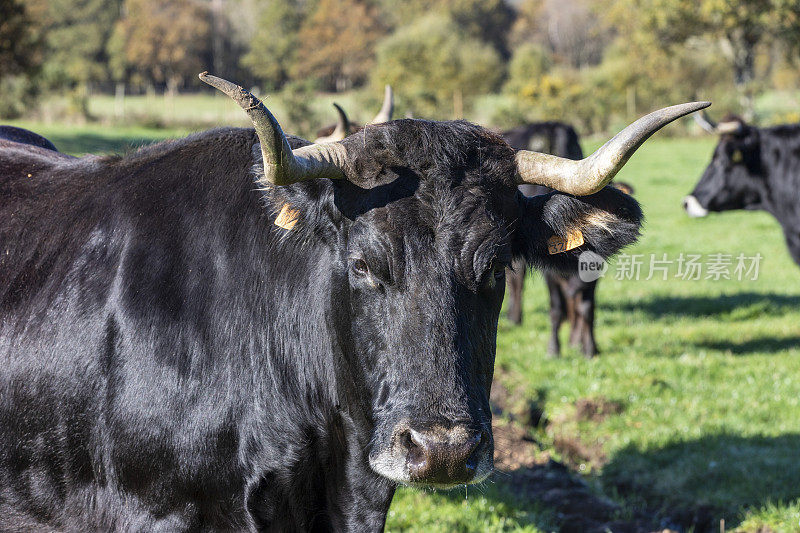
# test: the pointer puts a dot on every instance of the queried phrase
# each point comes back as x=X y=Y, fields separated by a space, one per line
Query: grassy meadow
x=704 y=375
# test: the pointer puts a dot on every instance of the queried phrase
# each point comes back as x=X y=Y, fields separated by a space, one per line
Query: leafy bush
x=434 y=66
x=528 y=64
x=16 y=96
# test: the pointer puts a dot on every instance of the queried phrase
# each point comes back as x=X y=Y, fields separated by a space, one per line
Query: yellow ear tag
x=287 y=218
x=557 y=244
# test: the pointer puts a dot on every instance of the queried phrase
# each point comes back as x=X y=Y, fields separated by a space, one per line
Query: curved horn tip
x=342 y=114
x=281 y=165
x=387 y=107
x=591 y=174
x=239 y=94
x=341 y=130
x=682 y=109
x=699 y=105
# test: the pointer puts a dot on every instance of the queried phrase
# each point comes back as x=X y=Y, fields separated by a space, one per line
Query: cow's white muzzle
x=693 y=207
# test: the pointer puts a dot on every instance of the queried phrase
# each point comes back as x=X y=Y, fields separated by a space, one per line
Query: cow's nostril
x=473 y=443
x=406 y=439
x=416 y=451
x=442 y=455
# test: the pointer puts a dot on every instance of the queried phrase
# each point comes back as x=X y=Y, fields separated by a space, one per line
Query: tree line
x=587 y=61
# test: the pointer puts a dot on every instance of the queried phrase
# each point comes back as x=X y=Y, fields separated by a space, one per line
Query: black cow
x=753 y=168
x=19 y=135
x=550 y=137
x=242 y=331
x=571 y=298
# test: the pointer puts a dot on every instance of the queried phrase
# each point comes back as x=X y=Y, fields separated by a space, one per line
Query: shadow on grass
x=554 y=498
x=694 y=484
x=761 y=345
x=740 y=306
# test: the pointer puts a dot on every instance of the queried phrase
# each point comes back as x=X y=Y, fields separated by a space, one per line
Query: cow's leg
x=557 y=313
x=585 y=312
x=793 y=243
x=575 y=322
x=515 y=281
x=571 y=288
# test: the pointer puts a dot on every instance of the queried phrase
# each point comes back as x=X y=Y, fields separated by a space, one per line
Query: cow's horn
x=591 y=174
x=341 y=129
x=729 y=126
x=385 y=114
x=705 y=122
x=282 y=165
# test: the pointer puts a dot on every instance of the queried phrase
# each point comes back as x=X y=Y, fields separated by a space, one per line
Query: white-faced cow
x=240 y=330
x=752 y=168
x=571 y=298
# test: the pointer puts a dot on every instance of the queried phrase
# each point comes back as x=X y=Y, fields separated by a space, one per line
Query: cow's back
x=110 y=269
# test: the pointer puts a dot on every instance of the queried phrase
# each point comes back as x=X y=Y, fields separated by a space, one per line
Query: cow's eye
x=360 y=267
x=499 y=272
x=495 y=275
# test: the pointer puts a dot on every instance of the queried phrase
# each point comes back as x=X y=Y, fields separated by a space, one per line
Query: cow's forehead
x=456 y=228
x=442 y=154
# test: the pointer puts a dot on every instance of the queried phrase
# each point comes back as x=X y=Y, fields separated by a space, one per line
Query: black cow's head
x=734 y=179
x=426 y=216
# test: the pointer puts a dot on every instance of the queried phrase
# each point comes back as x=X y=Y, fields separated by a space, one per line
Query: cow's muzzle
x=435 y=455
x=693 y=208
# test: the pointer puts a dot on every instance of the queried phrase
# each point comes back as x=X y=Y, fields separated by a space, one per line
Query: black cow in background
x=550 y=137
x=240 y=330
x=752 y=168
x=19 y=135
x=571 y=298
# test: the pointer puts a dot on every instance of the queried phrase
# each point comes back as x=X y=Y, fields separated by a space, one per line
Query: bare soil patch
x=531 y=474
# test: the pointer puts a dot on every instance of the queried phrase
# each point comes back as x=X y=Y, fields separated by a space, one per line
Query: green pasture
x=705 y=374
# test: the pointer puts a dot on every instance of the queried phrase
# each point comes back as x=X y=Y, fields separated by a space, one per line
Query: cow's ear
x=555 y=228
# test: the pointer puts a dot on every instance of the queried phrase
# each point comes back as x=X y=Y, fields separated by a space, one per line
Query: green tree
x=76 y=34
x=436 y=67
x=337 y=42
x=529 y=62
x=19 y=49
x=162 y=42
x=274 y=44
x=486 y=20
x=20 y=57
x=739 y=26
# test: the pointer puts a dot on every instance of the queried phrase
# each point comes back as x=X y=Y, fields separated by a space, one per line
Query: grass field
x=705 y=374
